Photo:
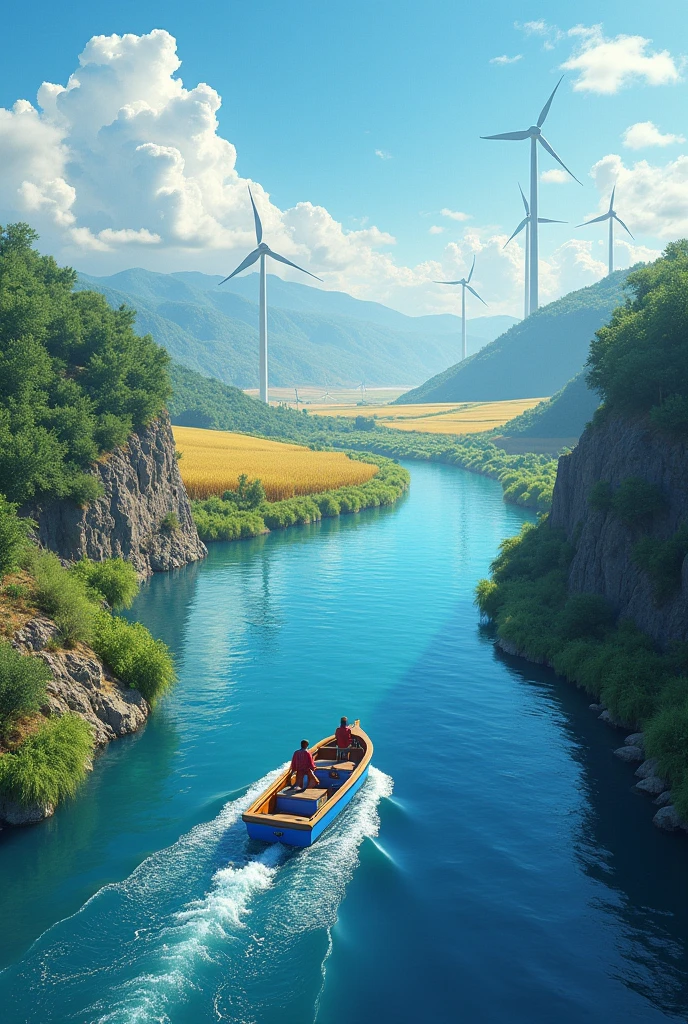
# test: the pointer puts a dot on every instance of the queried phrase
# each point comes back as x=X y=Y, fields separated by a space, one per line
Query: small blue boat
x=285 y=814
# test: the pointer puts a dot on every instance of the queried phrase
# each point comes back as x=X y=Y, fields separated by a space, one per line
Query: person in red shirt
x=343 y=738
x=303 y=764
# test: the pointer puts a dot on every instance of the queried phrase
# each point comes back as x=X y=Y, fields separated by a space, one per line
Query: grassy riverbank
x=527 y=480
x=579 y=637
x=245 y=512
x=43 y=759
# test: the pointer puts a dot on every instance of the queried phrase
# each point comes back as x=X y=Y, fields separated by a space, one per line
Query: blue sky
x=372 y=111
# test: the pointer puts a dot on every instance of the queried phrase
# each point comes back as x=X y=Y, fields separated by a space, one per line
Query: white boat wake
x=195 y=930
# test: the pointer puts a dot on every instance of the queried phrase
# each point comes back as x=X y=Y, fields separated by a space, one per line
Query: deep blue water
x=497 y=866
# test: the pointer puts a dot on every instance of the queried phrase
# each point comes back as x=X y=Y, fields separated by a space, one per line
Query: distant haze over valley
x=322 y=338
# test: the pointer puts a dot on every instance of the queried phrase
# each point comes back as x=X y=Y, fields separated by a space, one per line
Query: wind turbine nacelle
x=534 y=130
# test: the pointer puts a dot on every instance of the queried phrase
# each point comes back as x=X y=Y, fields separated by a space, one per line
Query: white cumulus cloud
x=555 y=177
x=505 y=59
x=651 y=199
x=606 y=65
x=435 y=229
x=646 y=133
x=455 y=214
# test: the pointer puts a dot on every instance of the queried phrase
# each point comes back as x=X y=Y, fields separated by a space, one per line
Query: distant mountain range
x=316 y=337
x=536 y=356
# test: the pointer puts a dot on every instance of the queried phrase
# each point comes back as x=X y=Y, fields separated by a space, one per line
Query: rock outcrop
x=143 y=516
x=81 y=684
x=603 y=562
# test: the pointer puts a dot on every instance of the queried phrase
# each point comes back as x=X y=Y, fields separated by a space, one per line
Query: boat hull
x=270 y=833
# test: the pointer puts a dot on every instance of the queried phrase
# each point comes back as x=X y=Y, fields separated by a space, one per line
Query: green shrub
x=248 y=495
x=672 y=415
x=635 y=501
x=113 y=579
x=13 y=534
x=133 y=655
x=169 y=523
x=63 y=596
x=585 y=615
x=662 y=560
x=23 y=680
x=600 y=496
x=666 y=738
x=16 y=590
x=50 y=765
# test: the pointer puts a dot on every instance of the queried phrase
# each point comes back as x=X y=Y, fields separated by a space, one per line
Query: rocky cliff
x=613 y=451
x=79 y=684
x=144 y=515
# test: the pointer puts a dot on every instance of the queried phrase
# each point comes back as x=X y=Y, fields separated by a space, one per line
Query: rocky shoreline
x=632 y=752
x=80 y=684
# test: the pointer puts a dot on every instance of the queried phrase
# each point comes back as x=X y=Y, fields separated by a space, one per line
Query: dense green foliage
x=64 y=596
x=49 y=765
x=662 y=560
x=527 y=480
x=113 y=579
x=564 y=415
x=633 y=502
x=74 y=377
x=13 y=533
x=639 y=362
x=317 y=337
x=22 y=684
x=527 y=598
x=535 y=357
x=134 y=655
x=225 y=519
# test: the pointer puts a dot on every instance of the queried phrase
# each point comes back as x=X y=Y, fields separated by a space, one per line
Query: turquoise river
x=497 y=867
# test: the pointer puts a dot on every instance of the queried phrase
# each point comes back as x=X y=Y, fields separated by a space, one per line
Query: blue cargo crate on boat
x=305 y=803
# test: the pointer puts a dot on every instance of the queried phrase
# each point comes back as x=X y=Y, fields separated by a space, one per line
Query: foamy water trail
x=195 y=930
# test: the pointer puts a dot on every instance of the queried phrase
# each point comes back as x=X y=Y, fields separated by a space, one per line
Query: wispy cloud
x=455 y=214
x=383 y=154
x=504 y=59
x=554 y=177
x=435 y=230
x=645 y=133
x=606 y=65
x=550 y=34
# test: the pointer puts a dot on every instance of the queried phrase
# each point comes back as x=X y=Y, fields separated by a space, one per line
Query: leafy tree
x=13 y=534
x=74 y=377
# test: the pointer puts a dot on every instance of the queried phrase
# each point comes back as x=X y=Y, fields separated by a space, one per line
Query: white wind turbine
x=534 y=133
x=611 y=215
x=525 y=223
x=465 y=283
x=259 y=253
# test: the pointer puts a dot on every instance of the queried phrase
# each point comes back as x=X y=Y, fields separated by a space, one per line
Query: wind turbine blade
x=611 y=201
x=595 y=220
x=283 y=259
x=259 y=226
x=518 y=229
x=472 y=269
x=548 y=220
x=474 y=292
x=446 y=282
x=251 y=258
x=509 y=136
x=545 y=110
x=623 y=225
x=525 y=201
x=543 y=142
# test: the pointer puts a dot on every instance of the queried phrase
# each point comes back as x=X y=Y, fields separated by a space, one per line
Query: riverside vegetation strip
x=639 y=364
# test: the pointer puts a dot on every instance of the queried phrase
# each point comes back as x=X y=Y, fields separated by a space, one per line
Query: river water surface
x=497 y=866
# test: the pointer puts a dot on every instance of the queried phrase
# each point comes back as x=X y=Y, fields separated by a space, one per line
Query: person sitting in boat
x=343 y=738
x=303 y=764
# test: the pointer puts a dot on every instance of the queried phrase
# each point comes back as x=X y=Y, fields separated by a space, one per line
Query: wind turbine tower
x=465 y=283
x=611 y=215
x=534 y=133
x=259 y=253
x=525 y=223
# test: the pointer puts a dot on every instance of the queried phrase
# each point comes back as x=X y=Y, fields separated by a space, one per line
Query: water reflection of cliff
x=643 y=870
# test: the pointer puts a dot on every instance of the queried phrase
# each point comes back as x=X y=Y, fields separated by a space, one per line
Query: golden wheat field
x=467 y=418
x=213 y=460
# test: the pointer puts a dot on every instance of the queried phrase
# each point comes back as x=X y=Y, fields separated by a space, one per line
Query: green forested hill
x=535 y=357
x=565 y=414
x=322 y=338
